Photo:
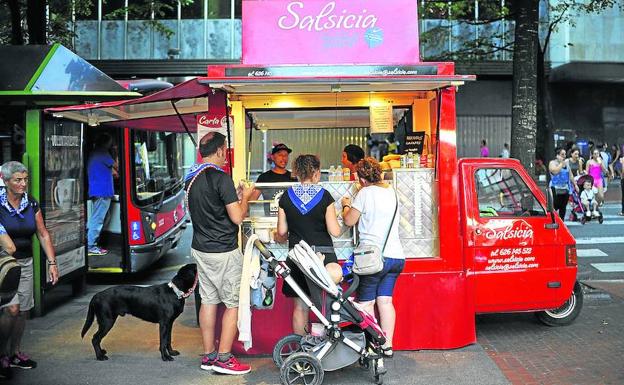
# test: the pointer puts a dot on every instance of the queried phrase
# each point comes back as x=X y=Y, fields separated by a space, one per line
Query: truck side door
x=513 y=261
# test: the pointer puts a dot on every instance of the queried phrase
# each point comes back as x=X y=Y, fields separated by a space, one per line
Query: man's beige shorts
x=219 y=276
x=25 y=290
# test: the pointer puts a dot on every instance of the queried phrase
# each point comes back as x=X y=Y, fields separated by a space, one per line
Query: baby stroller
x=350 y=334
x=577 y=205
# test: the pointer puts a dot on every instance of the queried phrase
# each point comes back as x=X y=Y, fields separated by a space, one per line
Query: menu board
x=414 y=142
x=381 y=119
x=62 y=193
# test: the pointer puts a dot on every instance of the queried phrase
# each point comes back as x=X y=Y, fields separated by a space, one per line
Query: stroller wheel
x=600 y=219
x=285 y=347
x=301 y=368
x=378 y=371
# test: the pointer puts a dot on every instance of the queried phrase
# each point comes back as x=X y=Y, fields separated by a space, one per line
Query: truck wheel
x=566 y=313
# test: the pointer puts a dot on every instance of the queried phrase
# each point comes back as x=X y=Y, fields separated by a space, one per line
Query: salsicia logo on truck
x=517 y=230
x=328 y=18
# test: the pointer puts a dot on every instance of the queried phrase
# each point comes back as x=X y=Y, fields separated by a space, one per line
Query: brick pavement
x=590 y=351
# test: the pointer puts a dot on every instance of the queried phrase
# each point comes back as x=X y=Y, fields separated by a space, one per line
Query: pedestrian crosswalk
x=600 y=247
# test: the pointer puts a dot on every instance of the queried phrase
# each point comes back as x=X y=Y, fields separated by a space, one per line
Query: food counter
x=262 y=219
x=417 y=214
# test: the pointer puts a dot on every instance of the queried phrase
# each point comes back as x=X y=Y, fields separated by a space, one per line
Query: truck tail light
x=571 y=257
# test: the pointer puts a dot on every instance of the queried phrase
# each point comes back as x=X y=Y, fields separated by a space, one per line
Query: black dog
x=160 y=304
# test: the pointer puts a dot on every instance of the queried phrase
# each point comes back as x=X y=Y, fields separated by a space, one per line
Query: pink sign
x=330 y=32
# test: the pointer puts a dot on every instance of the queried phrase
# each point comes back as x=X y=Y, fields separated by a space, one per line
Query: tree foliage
x=151 y=12
x=24 y=21
x=530 y=131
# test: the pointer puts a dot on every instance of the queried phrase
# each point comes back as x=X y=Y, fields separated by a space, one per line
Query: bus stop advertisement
x=478 y=235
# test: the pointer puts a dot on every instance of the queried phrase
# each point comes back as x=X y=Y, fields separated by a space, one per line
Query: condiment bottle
x=346 y=174
x=332 y=173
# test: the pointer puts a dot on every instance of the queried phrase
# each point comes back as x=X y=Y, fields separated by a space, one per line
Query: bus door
x=111 y=237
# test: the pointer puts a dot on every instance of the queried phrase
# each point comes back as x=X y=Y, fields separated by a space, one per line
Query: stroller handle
x=354 y=285
x=266 y=254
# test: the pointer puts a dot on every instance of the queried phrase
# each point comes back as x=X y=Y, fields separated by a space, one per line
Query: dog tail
x=89 y=320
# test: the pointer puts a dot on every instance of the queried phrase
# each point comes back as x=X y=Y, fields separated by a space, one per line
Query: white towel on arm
x=251 y=271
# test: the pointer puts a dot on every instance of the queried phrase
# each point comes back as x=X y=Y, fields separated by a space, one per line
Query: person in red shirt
x=351 y=155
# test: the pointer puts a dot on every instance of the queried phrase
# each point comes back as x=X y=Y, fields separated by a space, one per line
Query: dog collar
x=179 y=293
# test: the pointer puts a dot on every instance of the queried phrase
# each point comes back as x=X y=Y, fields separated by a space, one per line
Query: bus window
x=157 y=166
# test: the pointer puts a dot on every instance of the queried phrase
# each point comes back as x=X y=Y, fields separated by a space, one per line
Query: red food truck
x=478 y=234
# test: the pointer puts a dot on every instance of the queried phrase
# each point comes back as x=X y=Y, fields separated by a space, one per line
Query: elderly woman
x=21 y=218
x=373 y=210
x=307 y=212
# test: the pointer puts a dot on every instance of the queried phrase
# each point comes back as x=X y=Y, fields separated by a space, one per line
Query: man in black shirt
x=277 y=174
x=216 y=214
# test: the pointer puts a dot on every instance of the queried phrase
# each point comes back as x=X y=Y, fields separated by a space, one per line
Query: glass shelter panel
x=62 y=193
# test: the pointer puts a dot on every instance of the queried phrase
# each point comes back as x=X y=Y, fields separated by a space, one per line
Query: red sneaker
x=207 y=363
x=231 y=366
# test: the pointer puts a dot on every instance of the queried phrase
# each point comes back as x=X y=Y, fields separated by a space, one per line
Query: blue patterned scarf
x=4 y=201
x=197 y=168
x=305 y=196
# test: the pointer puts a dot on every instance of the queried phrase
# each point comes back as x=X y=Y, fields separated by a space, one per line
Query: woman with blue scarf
x=307 y=212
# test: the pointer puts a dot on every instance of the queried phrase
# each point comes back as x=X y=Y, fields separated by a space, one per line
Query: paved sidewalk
x=588 y=352
x=65 y=359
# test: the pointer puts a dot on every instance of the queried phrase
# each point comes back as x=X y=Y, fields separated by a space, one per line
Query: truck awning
x=336 y=84
x=250 y=79
x=173 y=109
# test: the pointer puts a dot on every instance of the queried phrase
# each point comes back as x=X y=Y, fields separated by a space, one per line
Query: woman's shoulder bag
x=368 y=259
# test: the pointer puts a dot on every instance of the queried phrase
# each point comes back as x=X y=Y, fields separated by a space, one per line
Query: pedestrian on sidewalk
x=596 y=168
x=576 y=163
x=216 y=213
x=614 y=166
x=485 y=151
x=621 y=160
x=21 y=218
x=7 y=247
x=505 y=152
x=561 y=181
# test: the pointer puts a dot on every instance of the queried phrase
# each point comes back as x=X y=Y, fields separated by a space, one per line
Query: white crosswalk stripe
x=590 y=253
x=599 y=240
x=609 y=267
x=605 y=223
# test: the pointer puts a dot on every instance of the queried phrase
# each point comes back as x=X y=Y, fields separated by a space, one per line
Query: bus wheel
x=566 y=313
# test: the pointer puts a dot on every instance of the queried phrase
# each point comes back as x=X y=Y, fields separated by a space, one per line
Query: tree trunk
x=36 y=19
x=17 y=35
x=524 y=85
x=543 y=148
